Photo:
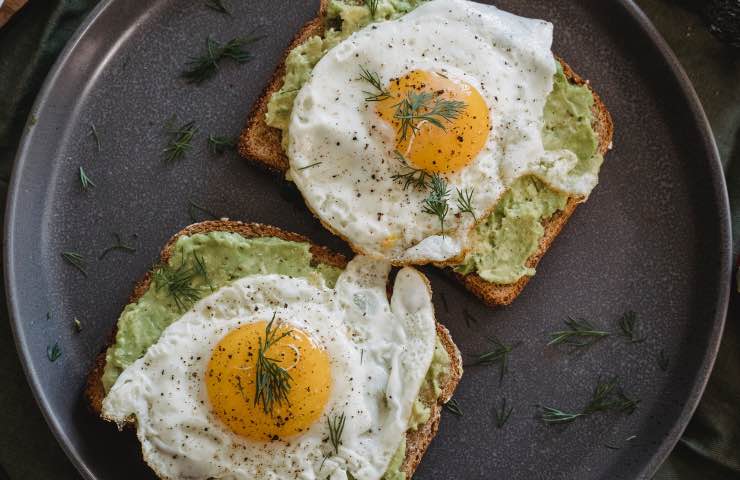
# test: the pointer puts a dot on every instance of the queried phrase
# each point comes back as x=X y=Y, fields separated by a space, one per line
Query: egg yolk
x=429 y=141
x=231 y=381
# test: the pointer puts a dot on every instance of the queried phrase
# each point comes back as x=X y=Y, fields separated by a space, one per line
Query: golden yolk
x=231 y=374
x=429 y=147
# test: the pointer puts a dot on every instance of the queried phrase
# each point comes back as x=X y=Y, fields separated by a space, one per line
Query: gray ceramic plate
x=653 y=238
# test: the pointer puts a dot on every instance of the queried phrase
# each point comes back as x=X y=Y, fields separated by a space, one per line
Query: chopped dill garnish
x=498 y=354
x=77 y=324
x=503 y=413
x=373 y=79
x=464 y=201
x=119 y=245
x=411 y=176
x=663 y=360
x=607 y=396
x=436 y=202
x=554 y=416
x=372 y=5
x=199 y=265
x=96 y=137
x=336 y=428
x=76 y=260
x=220 y=144
x=178 y=282
x=418 y=107
x=629 y=324
x=53 y=352
x=309 y=166
x=180 y=140
x=218 y=6
x=272 y=382
x=580 y=333
x=201 y=68
x=194 y=208
x=453 y=407
x=85 y=180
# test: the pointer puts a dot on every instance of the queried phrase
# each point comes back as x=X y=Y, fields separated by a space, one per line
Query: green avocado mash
x=302 y=59
x=432 y=386
x=227 y=257
x=511 y=234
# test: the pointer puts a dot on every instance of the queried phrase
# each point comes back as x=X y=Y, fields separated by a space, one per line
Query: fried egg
x=353 y=357
x=453 y=91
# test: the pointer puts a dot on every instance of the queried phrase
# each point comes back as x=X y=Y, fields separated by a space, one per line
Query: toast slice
x=416 y=441
x=261 y=144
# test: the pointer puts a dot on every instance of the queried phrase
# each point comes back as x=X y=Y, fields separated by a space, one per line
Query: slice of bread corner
x=262 y=145
x=416 y=441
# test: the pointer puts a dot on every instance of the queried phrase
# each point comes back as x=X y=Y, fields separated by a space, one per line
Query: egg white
x=342 y=155
x=379 y=354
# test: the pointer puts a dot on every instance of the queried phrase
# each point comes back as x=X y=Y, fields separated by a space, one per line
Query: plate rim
x=715 y=172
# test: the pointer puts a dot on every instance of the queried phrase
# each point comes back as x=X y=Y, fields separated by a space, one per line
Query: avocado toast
x=263 y=144
x=319 y=260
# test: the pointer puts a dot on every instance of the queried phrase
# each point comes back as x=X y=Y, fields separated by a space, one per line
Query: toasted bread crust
x=262 y=144
x=416 y=441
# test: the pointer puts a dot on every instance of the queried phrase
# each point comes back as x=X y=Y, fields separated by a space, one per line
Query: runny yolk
x=430 y=147
x=231 y=374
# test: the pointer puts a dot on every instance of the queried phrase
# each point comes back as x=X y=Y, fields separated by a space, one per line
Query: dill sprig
x=180 y=140
x=411 y=176
x=336 y=428
x=453 y=407
x=436 y=202
x=418 y=107
x=372 y=5
x=76 y=260
x=96 y=137
x=218 y=6
x=199 y=266
x=503 y=413
x=53 y=352
x=272 y=382
x=465 y=201
x=178 y=282
x=119 y=245
x=498 y=354
x=580 y=333
x=607 y=396
x=373 y=79
x=194 y=208
x=220 y=144
x=554 y=416
x=663 y=360
x=201 y=68
x=629 y=324
x=85 y=181
x=309 y=166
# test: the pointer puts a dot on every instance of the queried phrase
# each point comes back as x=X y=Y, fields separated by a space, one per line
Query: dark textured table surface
x=29 y=451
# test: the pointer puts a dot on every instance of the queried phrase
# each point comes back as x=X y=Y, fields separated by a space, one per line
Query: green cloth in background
x=710 y=448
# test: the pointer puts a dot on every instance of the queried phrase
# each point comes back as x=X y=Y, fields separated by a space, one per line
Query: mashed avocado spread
x=227 y=257
x=348 y=18
x=504 y=241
